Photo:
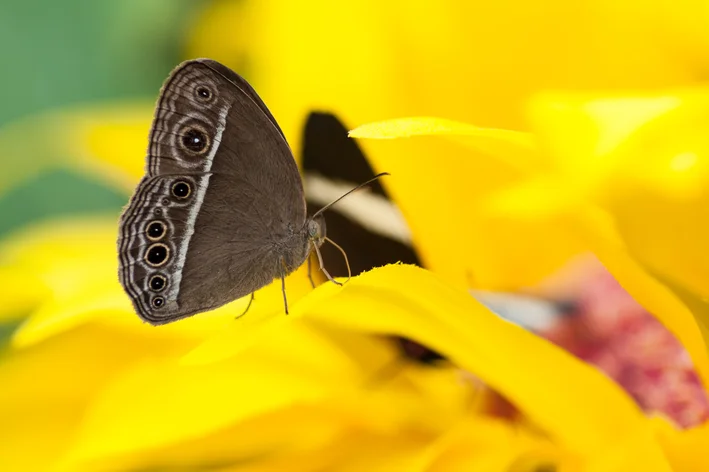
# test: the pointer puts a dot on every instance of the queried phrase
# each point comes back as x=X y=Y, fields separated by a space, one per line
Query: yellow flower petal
x=112 y=308
x=342 y=431
x=573 y=402
x=482 y=443
x=541 y=197
x=139 y=413
x=277 y=441
x=581 y=131
x=515 y=148
x=686 y=450
x=665 y=225
x=481 y=249
x=266 y=314
x=431 y=126
x=47 y=387
x=55 y=317
x=27 y=292
x=66 y=259
x=157 y=406
x=113 y=141
x=108 y=142
x=645 y=159
x=699 y=307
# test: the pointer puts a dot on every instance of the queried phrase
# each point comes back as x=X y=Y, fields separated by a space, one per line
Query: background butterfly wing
x=223 y=182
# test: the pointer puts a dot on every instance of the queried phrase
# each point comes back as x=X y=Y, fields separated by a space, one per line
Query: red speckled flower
x=610 y=330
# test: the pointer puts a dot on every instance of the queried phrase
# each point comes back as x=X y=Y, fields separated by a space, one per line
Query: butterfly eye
x=194 y=140
x=158 y=302
x=203 y=93
x=157 y=254
x=157 y=283
x=155 y=230
x=181 y=189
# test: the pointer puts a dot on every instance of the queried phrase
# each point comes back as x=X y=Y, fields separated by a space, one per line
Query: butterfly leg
x=322 y=267
x=344 y=254
x=283 y=284
x=310 y=272
x=247 y=306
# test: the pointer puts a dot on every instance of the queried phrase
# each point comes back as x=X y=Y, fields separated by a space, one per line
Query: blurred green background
x=60 y=54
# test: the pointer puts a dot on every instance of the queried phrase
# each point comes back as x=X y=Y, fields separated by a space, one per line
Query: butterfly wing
x=222 y=184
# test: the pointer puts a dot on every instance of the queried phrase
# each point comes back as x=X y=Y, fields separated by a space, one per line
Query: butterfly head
x=316 y=230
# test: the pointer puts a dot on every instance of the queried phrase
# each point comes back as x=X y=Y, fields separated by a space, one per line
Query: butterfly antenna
x=353 y=190
x=344 y=254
